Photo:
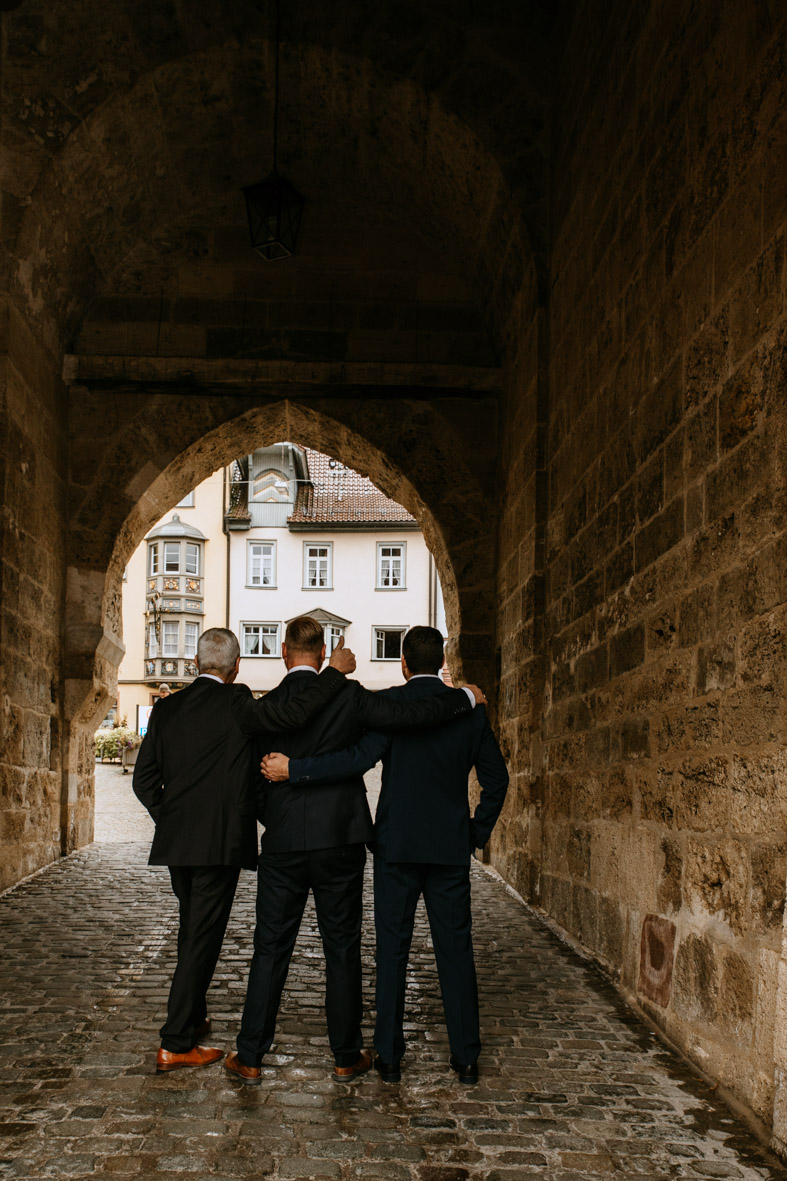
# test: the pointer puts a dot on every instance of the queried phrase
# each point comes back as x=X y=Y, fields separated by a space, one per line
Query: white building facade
x=282 y=532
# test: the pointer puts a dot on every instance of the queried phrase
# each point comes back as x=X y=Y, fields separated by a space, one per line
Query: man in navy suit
x=423 y=838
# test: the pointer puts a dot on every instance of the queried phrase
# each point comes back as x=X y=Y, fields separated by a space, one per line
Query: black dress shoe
x=389 y=1072
x=467 y=1073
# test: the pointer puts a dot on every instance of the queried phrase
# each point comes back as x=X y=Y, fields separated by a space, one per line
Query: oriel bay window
x=261 y=566
x=190 y=640
x=192 y=558
x=390 y=565
x=317 y=566
x=169 y=638
x=387 y=643
x=260 y=639
x=171 y=557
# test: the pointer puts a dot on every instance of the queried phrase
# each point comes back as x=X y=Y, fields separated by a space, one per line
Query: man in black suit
x=196 y=774
x=317 y=841
x=423 y=839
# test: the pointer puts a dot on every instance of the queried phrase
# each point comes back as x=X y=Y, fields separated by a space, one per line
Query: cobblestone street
x=572 y=1085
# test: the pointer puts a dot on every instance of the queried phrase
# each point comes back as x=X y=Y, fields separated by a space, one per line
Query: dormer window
x=271 y=487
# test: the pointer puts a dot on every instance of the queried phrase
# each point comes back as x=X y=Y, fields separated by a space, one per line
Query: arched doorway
x=426 y=467
x=406 y=319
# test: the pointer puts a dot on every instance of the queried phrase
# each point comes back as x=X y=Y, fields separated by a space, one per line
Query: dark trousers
x=446 y=891
x=335 y=876
x=205 y=894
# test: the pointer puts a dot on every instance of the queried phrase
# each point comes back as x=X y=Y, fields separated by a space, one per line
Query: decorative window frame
x=165 y=626
x=266 y=488
x=188 y=625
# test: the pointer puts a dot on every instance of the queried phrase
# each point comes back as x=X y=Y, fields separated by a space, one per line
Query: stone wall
x=664 y=842
x=32 y=563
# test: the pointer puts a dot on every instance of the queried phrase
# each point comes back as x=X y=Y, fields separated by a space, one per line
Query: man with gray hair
x=196 y=774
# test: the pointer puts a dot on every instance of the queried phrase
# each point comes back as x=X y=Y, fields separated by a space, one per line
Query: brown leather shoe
x=198 y=1056
x=343 y=1074
x=250 y=1075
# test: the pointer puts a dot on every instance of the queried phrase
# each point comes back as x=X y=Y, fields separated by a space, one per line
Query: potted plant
x=130 y=744
x=119 y=743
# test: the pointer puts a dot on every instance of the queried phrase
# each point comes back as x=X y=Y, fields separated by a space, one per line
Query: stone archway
x=416 y=452
x=137 y=187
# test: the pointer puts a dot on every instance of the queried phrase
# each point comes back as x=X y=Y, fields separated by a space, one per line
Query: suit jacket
x=299 y=819
x=423 y=814
x=197 y=768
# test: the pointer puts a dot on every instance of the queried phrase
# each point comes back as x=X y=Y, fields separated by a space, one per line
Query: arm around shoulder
x=380 y=711
x=268 y=715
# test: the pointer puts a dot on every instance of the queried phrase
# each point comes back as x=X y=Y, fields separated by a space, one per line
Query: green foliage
x=110 y=744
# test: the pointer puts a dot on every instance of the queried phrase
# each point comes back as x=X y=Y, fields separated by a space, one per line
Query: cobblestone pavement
x=572 y=1086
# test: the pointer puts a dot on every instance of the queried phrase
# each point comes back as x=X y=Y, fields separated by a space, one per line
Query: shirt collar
x=302 y=668
x=209 y=677
x=434 y=676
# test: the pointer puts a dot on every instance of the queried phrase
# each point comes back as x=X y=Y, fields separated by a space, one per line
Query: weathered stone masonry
x=540 y=300
x=658 y=817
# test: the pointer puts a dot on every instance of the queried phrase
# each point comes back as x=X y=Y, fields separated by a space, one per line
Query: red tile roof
x=338 y=495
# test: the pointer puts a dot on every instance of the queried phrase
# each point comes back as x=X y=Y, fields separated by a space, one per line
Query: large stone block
x=660 y=534
x=716 y=667
x=716 y=880
x=695 y=992
x=768 y=878
x=626 y=650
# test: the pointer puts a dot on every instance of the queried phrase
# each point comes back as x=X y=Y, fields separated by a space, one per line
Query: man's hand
x=480 y=699
x=342 y=659
x=276 y=767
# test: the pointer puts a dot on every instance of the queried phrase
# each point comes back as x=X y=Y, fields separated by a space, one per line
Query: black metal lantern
x=273 y=205
x=274 y=209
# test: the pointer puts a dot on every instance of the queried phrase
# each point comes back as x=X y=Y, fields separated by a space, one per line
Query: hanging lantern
x=274 y=209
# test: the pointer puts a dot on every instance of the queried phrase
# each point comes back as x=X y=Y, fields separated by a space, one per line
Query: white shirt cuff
x=471 y=695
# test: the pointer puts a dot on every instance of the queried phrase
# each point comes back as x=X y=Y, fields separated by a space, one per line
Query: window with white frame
x=192 y=558
x=333 y=634
x=153 y=558
x=387 y=643
x=169 y=638
x=260 y=639
x=152 y=640
x=171 y=557
x=187 y=501
x=261 y=563
x=390 y=565
x=317 y=566
x=190 y=639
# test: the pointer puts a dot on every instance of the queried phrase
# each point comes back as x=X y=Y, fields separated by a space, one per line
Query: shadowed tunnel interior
x=538 y=297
